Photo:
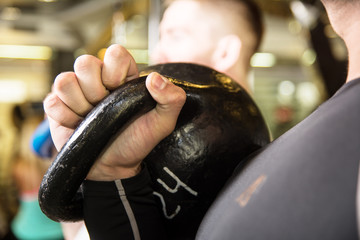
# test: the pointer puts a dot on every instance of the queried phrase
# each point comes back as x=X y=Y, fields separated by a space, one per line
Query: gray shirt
x=301 y=186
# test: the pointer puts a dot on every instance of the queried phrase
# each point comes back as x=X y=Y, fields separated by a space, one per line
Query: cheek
x=186 y=49
x=188 y=52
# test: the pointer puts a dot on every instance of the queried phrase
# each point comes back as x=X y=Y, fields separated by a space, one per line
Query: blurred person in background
x=27 y=171
x=42 y=146
x=222 y=35
x=5 y=230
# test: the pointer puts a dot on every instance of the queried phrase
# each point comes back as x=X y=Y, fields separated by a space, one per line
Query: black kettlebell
x=218 y=127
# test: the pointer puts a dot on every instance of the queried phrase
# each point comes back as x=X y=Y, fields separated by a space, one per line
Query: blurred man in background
x=222 y=35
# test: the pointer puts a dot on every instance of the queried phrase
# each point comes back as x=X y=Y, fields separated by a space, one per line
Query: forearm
x=123 y=209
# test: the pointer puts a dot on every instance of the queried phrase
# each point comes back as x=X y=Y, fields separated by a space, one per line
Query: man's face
x=185 y=35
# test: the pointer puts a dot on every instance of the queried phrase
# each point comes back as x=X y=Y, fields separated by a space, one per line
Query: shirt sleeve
x=122 y=209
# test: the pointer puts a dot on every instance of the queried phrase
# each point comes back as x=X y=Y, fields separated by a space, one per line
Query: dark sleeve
x=122 y=209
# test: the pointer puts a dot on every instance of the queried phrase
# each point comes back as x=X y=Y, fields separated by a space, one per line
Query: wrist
x=101 y=172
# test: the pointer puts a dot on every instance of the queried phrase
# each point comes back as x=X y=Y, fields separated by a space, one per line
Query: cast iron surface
x=218 y=127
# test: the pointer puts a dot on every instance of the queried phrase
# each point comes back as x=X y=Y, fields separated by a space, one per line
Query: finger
x=67 y=88
x=88 y=72
x=170 y=100
x=148 y=130
x=59 y=112
x=59 y=133
x=119 y=67
x=142 y=135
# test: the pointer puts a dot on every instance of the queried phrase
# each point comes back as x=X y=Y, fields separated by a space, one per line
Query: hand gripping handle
x=59 y=195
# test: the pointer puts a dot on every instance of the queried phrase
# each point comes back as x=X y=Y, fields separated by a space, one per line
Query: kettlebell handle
x=59 y=198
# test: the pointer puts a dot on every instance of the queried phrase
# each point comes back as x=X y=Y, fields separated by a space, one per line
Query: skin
x=199 y=32
x=344 y=18
x=27 y=176
x=180 y=35
x=75 y=93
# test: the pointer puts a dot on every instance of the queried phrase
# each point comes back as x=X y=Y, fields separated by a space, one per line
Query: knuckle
x=179 y=98
x=82 y=63
x=117 y=51
x=54 y=109
x=112 y=84
x=64 y=80
x=97 y=95
x=49 y=102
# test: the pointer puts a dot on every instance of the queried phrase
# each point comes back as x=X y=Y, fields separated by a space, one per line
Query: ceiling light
x=48 y=1
x=309 y=57
x=25 y=52
x=263 y=60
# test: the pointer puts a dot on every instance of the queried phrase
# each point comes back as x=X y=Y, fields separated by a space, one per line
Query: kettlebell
x=218 y=127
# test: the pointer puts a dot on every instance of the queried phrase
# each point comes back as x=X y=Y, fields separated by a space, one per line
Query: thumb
x=170 y=100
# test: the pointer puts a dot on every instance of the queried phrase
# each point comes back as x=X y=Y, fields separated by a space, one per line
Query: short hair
x=254 y=18
x=341 y=2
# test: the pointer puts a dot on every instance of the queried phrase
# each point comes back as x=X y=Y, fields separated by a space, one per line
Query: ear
x=227 y=52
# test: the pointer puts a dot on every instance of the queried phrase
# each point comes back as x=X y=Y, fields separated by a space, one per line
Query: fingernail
x=159 y=82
